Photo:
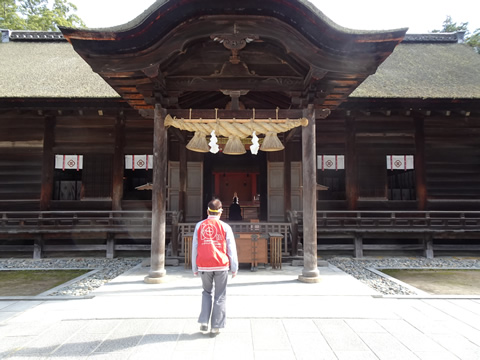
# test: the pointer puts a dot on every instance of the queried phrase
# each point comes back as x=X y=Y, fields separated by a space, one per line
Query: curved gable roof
x=175 y=52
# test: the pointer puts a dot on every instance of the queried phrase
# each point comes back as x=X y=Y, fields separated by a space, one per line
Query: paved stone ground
x=270 y=316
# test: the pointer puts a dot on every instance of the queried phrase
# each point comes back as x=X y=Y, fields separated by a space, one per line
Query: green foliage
x=474 y=40
x=38 y=15
x=9 y=17
x=471 y=39
x=450 y=26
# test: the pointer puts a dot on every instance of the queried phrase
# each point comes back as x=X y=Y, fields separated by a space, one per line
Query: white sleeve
x=194 y=248
x=231 y=248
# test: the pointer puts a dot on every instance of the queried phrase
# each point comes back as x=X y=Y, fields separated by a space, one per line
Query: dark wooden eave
x=184 y=54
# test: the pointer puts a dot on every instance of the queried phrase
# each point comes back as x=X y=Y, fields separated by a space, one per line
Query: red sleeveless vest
x=212 y=246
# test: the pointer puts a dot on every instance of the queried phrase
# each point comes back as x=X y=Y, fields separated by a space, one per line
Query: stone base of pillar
x=310 y=276
x=150 y=280
x=309 y=279
x=156 y=277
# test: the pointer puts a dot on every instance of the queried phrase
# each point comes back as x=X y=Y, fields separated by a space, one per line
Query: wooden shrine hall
x=330 y=139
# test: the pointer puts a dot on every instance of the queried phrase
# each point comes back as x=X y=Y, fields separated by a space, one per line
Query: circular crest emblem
x=209 y=232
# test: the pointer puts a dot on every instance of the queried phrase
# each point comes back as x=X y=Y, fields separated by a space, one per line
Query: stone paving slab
x=145 y=338
x=270 y=316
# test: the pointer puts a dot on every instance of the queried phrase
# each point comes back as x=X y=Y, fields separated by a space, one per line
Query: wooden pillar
x=254 y=185
x=48 y=164
x=118 y=163
x=182 y=186
x=182 y=189
x=310 y=271
x=217 y=184
x=110 y=246
x=351 y=183
x=38 y=246
x=157 y=261
x=428 y=246
x=420 y=175
x=287 y=186
x=358 y=246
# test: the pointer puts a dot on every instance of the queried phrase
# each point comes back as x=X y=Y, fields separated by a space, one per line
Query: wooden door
x=193 y=206
x=276 y=208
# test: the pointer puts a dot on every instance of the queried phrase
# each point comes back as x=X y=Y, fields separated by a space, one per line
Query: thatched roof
x=52 y=69
x=425 y=70
x=48 y=70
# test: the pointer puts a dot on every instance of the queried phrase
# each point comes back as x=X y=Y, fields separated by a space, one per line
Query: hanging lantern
x=271 y=142
x=234 y=146
x=198 y=143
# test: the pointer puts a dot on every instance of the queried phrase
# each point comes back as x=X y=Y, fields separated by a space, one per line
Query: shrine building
x=331 y=140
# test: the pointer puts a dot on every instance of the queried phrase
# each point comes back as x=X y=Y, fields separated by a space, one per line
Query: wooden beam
x=287 y=185
x=48 y=164
x=290 y=135
x=259 y=114
x=118 y=163
x=178 y=134
x=182 y=188
x=419 y=162
x=252 y=83
x=32 y=144
x=351 y=182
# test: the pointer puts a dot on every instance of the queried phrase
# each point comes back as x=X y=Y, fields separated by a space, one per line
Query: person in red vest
x=214 y=253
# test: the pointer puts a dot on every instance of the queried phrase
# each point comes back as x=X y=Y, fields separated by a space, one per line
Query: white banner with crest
x=330 y=162
x=69 y=162
x=400 y=162
x=138 y=162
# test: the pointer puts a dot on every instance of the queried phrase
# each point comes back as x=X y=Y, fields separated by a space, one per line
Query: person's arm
x=194 y=250
x=231 y=250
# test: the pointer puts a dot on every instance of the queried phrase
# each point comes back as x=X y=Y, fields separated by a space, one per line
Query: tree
x=38 y=15
x=474 y=40
x=9 y=17
x=471 y=39
x=450 y=26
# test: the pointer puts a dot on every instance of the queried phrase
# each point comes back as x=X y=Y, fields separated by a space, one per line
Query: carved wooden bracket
x=234 y=42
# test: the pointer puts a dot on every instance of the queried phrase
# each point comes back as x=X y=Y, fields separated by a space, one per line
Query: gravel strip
x=358 y=268
x=108 y=270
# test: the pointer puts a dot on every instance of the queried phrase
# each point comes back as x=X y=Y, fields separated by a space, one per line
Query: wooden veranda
x=352 y=232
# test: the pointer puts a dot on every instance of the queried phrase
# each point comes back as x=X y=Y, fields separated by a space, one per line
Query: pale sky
x=420 y=16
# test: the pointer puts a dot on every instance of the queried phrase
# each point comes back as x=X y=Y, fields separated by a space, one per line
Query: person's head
x=215 y=207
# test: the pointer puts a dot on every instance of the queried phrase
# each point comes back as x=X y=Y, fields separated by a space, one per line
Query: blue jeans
x=213 y=281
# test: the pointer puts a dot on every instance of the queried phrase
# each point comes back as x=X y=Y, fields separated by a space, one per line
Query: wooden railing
x=109 y=231
x=186 y=229
x=34 y=227
x=394 y=220
x=422 y=225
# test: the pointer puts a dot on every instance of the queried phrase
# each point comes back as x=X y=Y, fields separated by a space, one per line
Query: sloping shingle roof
x=48 y=70
x=420 y=70
x=425 y=70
